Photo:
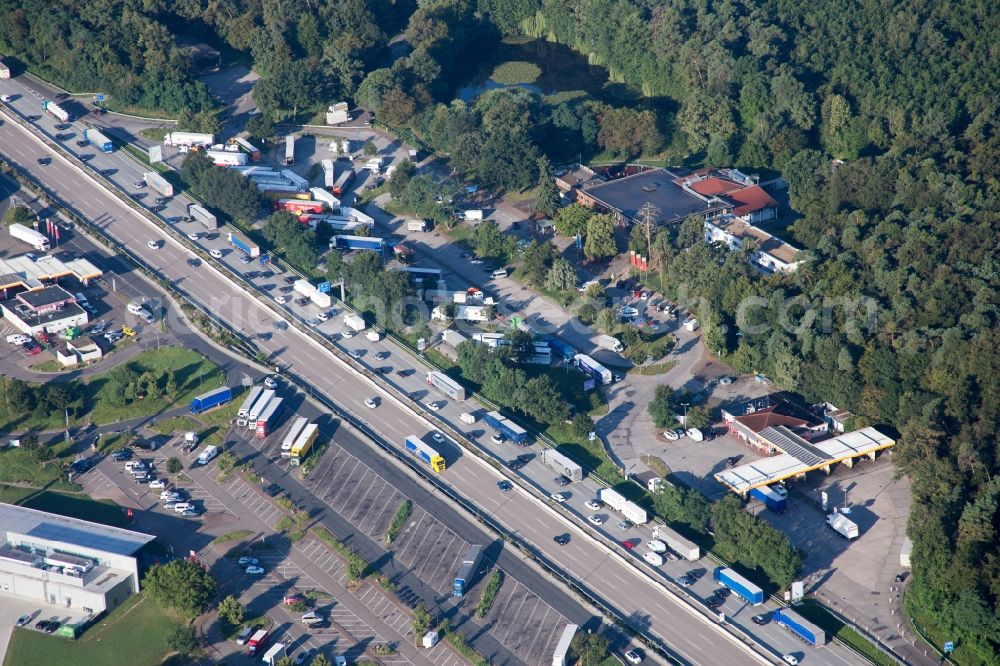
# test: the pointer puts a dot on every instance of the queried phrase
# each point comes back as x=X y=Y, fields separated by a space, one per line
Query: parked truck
x=446 y=385
x=54 y=109
x=739 y=585
x=207 y=455
x=269 y=418
x=343 y=181
x=257 y=642
x=249 y=401
x=610 y=343
x=800 y=626
x=227 y=157
x=593 y=368
x=274 y=654
x=98 y=139
x=453 y=337
x=773 y=497
x=309 y=290
x=251 y=150
x=303 y=444
x=188 y=139
x=686 y=549
x=325 y=196
x=562 y=464
x=158 y=183
x=467 y=571
x=292 y=436
x=355 y=322
x=425 y=452
x=289 y=150
x=506 y=427
x=35 y=239
x=560 y=656
x=843 y=525
x=617 y=501
x=258 y=407
x=244 y=244
x=349 y=243
x=211 y=399
x=201 y=214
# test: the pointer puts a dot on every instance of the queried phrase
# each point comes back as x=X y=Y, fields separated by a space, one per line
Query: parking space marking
x=346 y=484
x=434 y=558
x=364 y=504
x=413 y=539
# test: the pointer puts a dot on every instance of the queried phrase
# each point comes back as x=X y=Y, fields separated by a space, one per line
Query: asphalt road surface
x=608 y=576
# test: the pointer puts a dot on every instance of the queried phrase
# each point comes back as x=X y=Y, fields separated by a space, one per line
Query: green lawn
x=74 y=505
x=195 y=374
x=175 y=424
x=135 y=633
x=14 y=418
x=18 y=466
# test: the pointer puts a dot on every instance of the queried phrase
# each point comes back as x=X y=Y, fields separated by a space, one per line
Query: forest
x=881 y=116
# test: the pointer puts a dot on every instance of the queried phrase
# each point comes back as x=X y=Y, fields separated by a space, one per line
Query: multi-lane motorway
x=603 y=571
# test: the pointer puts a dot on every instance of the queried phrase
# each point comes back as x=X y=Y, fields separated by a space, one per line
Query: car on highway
x=561 y=539
x=790 y=659
x=44 y=161
x=215 y=254
x=504 y=486
x=270 y=382
x=280 y=300
x=629 y=544
x=23 y=620
x=370 y=403
x=761 y=619
x=195 y=262
x=434 y=406
x=255 y=570
x=593 y=505
x=248 y=561
x=594 y=519
x=559 y=497
x=633 y=657
x=153 y=244
x=561 y=481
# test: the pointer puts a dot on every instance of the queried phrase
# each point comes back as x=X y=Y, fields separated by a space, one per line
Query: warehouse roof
x=657 y=187
x=72 y=531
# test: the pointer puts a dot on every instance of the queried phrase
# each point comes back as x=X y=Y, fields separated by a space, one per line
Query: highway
x=605 y=573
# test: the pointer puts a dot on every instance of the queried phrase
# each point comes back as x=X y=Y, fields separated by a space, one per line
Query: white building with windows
x=67 y=562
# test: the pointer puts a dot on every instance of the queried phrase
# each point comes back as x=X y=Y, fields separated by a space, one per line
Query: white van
x=183 y=506
x=653 y=558
x=499 y=273
x=215 y=254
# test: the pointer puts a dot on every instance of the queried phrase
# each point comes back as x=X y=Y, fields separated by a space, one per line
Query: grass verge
x=73 y=505
x=235 y=535
x=357 y=566
x=651 y=370
x=399 y=521
x=138 y=628
x=489 y=594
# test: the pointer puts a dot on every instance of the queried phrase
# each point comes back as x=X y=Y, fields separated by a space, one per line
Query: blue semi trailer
x=467 y=571
x=800 y=626
x=206 y=401
x=739 y=585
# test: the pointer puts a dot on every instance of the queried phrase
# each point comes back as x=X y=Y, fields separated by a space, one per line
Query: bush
x=174 y=466
x=489 y=594
x=516 y=71
x=399 y=521
x=182 y=585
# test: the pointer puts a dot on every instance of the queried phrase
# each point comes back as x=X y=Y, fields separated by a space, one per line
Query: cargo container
x=4 y=71
x=290 y=150
x=300 y=206
x=158 y=183
x=473 y=216
x=446 y=385
x=628 y=509
x=493 y=419
x=800 y=626
x=561 y=655
x=349 y=243
x=303 y=444
x=292 y=435
x=35 y=239
x=843 y=526
x=337 y=224
x=319 y=194
x=337 y=113
x=308 y=289
x=467 y=571
x=426 y=453
x=329 y=173
x=188 y=139
x=202 y=215
x=559 y=347
x=561 y=464
x=249 y=401
x=227 y=158
x=343 y=181
x=355 y=322
x=97 y=139
x=593 y=368
x=453 y=337
x=210 y=399
x=772 y=498
x=269 y=418
x=245 y=245
x=54 y=109
x=252 y=151
x=739 y=585
x=686 y=549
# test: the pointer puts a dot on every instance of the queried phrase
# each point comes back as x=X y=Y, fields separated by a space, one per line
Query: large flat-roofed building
x=67 y=562
x=658 y=187
x=49 y=309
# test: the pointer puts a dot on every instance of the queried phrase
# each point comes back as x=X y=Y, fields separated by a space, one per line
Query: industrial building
x=658 y=187
x=67 y=562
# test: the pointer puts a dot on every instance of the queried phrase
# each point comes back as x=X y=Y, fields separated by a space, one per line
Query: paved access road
x=607 y=576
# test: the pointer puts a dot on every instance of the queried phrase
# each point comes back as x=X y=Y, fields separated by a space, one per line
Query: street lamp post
x=685 y=405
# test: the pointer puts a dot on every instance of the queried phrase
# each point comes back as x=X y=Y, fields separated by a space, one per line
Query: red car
x=629 y=544
x=43 y=337
x=292 y=600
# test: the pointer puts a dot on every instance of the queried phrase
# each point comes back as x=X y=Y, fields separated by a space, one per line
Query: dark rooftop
x=46 y=296
x=657 y=187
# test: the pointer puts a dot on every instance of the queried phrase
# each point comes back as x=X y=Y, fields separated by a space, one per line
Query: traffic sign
x=949 y=647
x=323 y=287
x=99 y=97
